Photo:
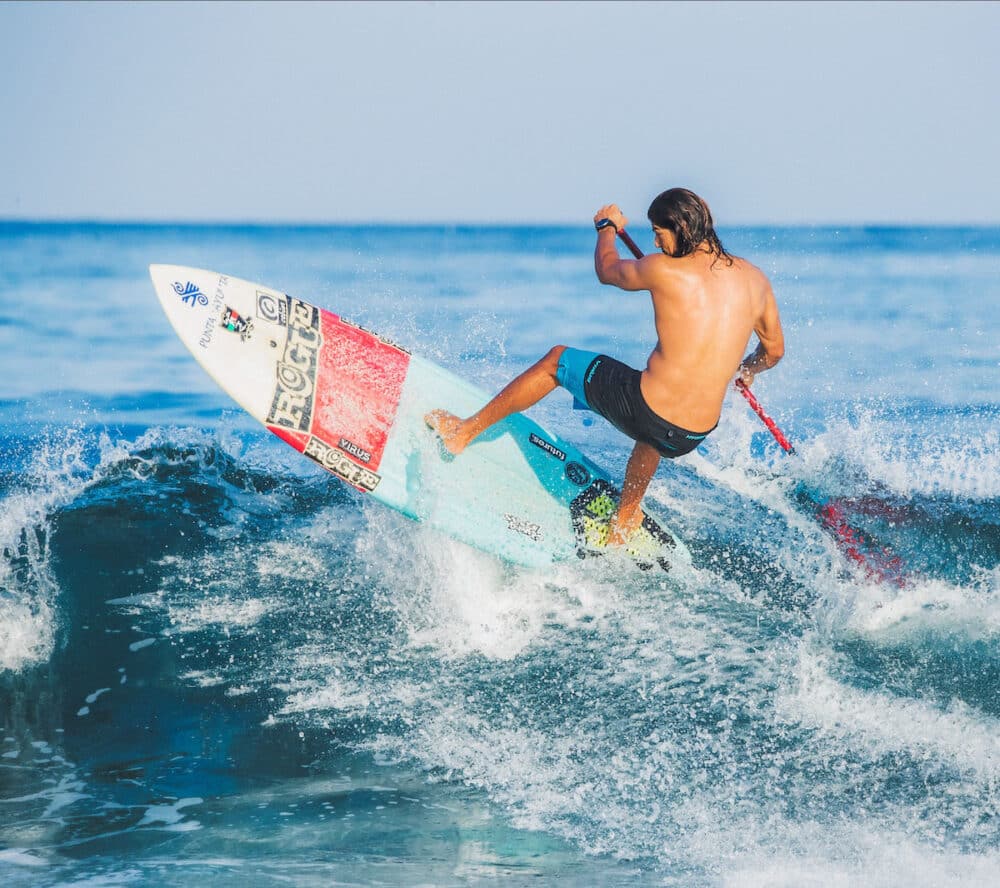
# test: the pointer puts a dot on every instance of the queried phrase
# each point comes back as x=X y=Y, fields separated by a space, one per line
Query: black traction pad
x=591 y=512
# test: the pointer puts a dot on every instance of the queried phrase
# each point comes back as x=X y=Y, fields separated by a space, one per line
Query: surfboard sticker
x=336 y=391
x=234 y=322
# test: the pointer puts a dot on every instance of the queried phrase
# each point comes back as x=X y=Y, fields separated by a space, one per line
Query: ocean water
x=218 y=663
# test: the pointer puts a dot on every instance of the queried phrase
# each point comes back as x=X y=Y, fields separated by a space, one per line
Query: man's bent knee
x=551 y=359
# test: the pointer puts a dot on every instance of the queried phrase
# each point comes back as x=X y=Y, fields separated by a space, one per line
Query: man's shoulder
x=714 y=266
x=750 y=273
x=688 y=272
x=744 y=265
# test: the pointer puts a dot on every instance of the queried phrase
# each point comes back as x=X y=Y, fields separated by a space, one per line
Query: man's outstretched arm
x=641 y=467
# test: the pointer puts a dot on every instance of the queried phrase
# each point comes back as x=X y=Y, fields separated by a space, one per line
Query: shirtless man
x=706 y=303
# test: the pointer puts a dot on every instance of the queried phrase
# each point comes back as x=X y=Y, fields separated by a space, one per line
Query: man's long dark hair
x=688 y=217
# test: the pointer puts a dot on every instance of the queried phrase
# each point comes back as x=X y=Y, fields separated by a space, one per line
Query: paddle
x=882 y=565
x=772 y=426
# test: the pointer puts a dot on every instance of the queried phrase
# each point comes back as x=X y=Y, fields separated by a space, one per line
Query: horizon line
x=465 y=223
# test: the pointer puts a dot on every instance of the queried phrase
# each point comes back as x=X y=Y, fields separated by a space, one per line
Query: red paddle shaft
x=631 y=244
x=772 y=426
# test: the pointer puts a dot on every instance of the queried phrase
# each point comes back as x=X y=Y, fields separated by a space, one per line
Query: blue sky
x=509 y=112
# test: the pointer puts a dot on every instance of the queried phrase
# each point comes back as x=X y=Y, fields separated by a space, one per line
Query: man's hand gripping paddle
x=881 y=564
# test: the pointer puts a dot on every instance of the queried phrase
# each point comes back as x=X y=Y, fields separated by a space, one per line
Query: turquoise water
x=217 y=662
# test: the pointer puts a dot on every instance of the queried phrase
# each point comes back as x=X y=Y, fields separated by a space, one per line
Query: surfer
x=706 y=305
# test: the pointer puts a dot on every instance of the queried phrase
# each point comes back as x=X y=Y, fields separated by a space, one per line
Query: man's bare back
x=705 y=309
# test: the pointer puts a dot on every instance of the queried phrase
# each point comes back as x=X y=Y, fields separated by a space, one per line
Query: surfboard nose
x=164 y=275
x=172 y=280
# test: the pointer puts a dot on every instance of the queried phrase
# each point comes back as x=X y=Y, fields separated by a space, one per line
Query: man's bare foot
x=450 y=428
x=620 y=531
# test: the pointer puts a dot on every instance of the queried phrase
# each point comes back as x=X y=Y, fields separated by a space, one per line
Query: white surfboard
x=354 y=403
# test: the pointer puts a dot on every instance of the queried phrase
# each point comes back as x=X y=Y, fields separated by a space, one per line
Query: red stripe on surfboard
x=298 y=440
x=359 y=382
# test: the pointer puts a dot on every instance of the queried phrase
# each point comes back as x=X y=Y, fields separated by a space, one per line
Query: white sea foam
x=293 y=561
x=337 y=693
x=878 y=722
x=171 y=817
x=223 y=612
x=840 y=855
x=21 y=857
x=207 y=592
x=456 y=599
x=27 y=632
x=63 y=791
x=203 y=678
x=928 y=611
x=964 y=462
x=28 y=606
x=564 y=768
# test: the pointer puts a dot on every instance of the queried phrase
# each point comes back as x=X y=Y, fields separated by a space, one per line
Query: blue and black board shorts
x=611 y=389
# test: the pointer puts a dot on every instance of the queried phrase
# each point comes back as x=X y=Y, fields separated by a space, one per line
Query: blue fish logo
x=190 y=294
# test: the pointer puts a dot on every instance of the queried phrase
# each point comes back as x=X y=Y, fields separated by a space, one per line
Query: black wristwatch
x=601 y=224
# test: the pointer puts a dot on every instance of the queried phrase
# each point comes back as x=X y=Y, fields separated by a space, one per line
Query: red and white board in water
x=354 y=403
